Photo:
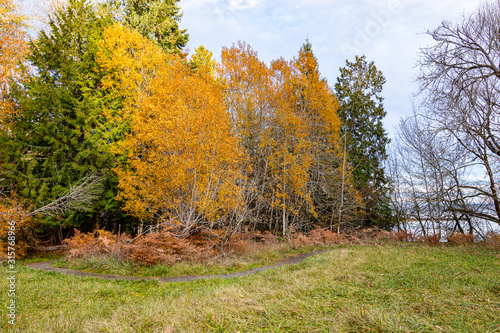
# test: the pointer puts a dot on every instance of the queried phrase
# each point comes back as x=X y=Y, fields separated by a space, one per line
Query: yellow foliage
x=130 y=62
x=202 y=60
x=183 y=159
x=286 y=117
x=13 y=47
x=14 y=220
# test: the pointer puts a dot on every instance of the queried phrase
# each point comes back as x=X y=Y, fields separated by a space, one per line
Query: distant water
x=481 y=228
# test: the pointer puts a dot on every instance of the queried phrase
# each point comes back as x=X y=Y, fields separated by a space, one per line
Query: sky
x=390 y=33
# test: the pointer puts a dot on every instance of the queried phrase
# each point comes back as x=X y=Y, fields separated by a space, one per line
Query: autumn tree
x=246 y=81
x=202 y=57
x=331 y=181
x=13 y=46
x=361 y=110
x=183 y=162
x=285 y=115
x=291 y=155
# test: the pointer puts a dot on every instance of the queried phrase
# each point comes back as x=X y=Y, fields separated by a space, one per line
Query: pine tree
x=361 y=110
x=53 y=142
x=335 y=198
x=157 y=20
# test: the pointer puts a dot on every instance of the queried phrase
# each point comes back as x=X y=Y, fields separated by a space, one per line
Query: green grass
x=410 y=288
x=103 y=265
x=44 y=256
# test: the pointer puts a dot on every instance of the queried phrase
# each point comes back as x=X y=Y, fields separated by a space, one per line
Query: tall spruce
x=53 y=142
x=359 y=89
x=157 y=20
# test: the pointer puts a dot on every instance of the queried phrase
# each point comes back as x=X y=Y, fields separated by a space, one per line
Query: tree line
x=107 y=91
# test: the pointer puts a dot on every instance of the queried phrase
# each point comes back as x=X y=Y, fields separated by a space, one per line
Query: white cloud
x=388 y=32
x=243 y=4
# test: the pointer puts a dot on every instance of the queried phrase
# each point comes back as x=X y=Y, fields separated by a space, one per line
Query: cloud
x=243 y=4
x=220 y=6
x=390 y=33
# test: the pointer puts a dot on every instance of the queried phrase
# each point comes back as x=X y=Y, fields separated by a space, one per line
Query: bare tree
x=80 y=197
x=422 y=182
x=437 y=189
x=460 y=85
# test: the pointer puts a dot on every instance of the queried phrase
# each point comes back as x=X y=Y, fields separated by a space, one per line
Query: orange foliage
x=183 y=159
x=460 y=239
x=128 y=62
x=149 y=249
x=318 y=236
x=160 y=247
x=14 y=224
x=432 y=238
x=99 y=242
x=286 y=117
x=327 y=237
x=289 y=142
x=492 y=239
x=13 y=48
x=403 y=236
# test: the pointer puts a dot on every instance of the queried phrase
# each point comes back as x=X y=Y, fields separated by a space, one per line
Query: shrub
x=15 y=227
x=431 y=239
x=152 y=248
x=403 y=236
x=299 y=240
x=492 y=239
x=160 y=247
x=326 y=237
x=245 y=242
x=100 y=242
x=318 y=236
x=460 y=239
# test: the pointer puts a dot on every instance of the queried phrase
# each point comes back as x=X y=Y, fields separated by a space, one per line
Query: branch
x=80 y=197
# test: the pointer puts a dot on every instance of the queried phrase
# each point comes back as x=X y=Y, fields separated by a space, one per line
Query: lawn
x=390 y=288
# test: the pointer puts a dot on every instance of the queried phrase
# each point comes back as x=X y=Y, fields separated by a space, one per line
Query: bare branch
x=80 y=197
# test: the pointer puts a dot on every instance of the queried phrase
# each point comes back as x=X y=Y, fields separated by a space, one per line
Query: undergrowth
x=161 y=254
x=163 y=247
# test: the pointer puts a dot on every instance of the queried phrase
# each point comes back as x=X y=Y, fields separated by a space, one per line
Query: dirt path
x=289 y=261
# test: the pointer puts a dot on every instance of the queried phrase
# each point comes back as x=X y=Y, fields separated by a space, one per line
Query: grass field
x=391 y=288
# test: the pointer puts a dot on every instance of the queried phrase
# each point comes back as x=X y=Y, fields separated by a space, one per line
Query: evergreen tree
x=54 y=141
x=157 y=20
x=202 y=57
x=361 y=110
